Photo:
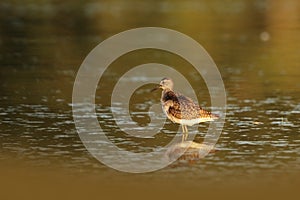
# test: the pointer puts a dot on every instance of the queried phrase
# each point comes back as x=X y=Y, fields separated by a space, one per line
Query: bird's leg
x=186 y=132
x=183 y=133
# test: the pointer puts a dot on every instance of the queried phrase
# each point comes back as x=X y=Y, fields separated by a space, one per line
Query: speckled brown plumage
x=182 y=107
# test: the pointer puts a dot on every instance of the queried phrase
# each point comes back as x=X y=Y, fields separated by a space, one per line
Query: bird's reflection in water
x=188 y=151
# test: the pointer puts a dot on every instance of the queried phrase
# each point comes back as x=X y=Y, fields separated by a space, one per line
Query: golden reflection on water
x=255 y=44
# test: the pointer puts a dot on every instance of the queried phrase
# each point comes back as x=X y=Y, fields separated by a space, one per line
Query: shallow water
x=255 y=45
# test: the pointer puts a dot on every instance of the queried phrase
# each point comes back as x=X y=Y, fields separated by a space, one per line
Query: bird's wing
x=186 y=108
x=183 y=107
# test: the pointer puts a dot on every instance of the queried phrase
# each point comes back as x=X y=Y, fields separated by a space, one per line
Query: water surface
x=255 y=44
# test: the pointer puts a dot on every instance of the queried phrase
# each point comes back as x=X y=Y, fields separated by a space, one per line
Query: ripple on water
x=257 y=135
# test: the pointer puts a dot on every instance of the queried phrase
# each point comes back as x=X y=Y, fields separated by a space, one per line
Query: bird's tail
x=208 y=115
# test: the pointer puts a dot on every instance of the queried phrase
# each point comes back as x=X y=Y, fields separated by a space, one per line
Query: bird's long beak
x=156 y=88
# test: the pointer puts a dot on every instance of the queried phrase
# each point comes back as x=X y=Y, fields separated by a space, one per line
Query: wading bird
x=181 y=109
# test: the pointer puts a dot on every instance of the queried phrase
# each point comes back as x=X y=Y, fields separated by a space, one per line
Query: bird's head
x=165 y=83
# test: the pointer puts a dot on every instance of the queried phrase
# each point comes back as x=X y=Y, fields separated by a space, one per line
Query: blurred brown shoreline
x=23 y=182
